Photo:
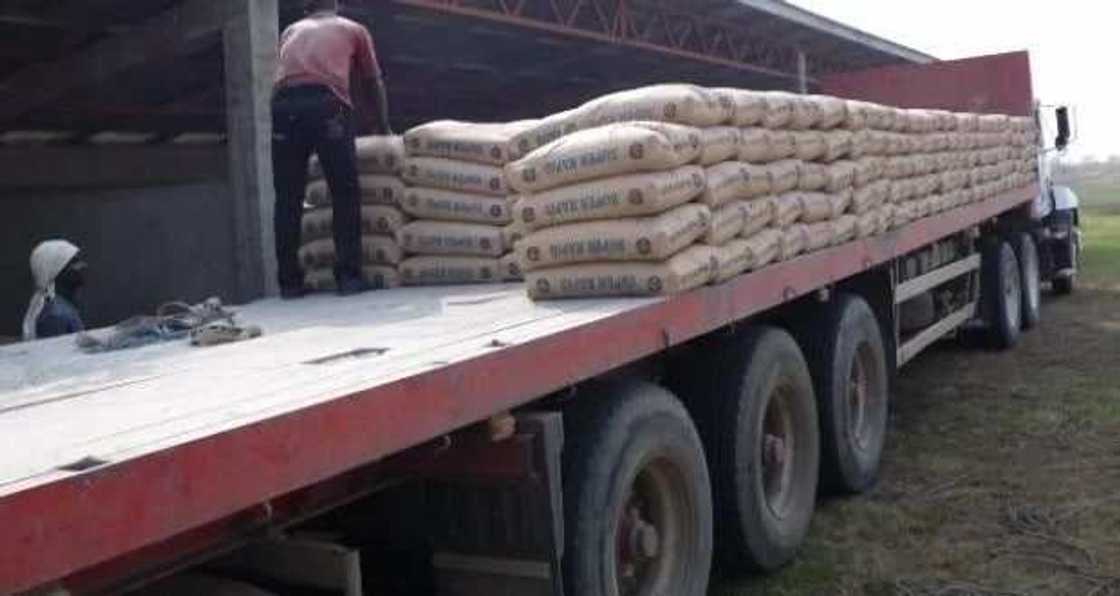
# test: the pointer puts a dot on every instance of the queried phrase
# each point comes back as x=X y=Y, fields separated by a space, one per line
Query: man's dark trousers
x=309 y=119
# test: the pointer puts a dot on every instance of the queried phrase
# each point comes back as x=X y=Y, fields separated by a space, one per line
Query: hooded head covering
x=47 y=261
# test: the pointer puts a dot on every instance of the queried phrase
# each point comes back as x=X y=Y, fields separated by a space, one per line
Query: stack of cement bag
x=463 y=230
x=610 y=210
x=379 y=163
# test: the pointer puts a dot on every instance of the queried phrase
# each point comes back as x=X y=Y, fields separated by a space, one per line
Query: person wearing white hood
x=58 y=270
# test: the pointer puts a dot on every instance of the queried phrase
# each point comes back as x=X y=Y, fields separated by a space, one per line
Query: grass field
x=1002 y=470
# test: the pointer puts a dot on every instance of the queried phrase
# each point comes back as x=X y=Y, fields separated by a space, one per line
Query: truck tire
x=638 y=506
x=1029 y=277
x=1064 y=286
x=851 y=378
x=753 y=401
x=1001 y=293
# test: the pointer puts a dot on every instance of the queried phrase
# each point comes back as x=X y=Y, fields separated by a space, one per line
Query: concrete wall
x=169 y=239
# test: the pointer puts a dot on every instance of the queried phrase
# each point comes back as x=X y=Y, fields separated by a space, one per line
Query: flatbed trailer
x=119 y=468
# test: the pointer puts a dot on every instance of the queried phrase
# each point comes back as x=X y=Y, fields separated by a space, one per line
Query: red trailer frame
x=213 y=491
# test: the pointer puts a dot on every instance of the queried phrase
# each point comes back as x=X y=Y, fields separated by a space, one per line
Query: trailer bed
x=101 y=455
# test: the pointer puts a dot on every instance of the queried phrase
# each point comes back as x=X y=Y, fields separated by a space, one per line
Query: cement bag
x=867 y=170
x=317 y=224
x=779 y=110
x=832 y=111
x=376 y=250
x=786 y=209
x=811 y=176
x=604 y=152
x=638 y=239
x=541 y=133
x=819 y=206
x=749 y=106
x=991 y=123
x=900 y=122
x=718 y=143
x=382 y=220
x=809 y=145
x=953 y=180
x=509 y=268
x=758 y=214
x=806 y=113
x=375 y=190
x=862 y=143
x=928 y=184
x=635 y=195
x=727 y=223
x=921 y=207
x=732 y=259
x=376 y=220
x=378 y=277
x=896 y=168
x=838 y=145
x=885 y=221
x=676 y=103
x=434 y=172
x=794 y=240
x=857 y=115
x=844 y=229
x=783 y=175
x=512 y=233
x=764 y=247
x=867 y=224
x=688 y=269
x=376 y=155
x=466 y=141
x=446 y=205
x=733 y=181
x=840 y=176
x=782 y=144
x=449 y=270
x=902 y=190
x=446 y=238
x=867 y=198
x=755 y=146
x=904 y=213
x=819 y=236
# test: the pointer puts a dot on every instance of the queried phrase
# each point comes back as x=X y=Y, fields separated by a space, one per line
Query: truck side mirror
x=1062 y=140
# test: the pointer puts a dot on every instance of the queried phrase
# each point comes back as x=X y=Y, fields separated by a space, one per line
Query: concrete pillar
x=250 y=40
x=802 y=72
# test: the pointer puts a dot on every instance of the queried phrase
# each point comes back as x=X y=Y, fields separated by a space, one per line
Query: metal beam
x=620 y=22
x=788 y=12
x=169 y=33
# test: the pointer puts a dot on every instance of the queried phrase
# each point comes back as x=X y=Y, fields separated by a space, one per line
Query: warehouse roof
x=73 y=69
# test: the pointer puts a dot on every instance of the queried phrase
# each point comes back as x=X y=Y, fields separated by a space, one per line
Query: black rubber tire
x=614 y=436
x=729 y=388
x=852 y=434
x=1030 y=279
x=1001 y=294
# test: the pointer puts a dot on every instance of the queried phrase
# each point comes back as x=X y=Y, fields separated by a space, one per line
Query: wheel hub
x=777 y=453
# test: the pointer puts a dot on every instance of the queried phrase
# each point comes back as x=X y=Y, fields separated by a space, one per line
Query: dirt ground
x=1002 y=471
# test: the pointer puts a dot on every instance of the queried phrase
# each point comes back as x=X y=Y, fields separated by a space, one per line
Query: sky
x=1074 y=46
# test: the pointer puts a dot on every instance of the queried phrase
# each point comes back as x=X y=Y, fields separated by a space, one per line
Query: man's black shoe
x=294 y=292
x=354 y=285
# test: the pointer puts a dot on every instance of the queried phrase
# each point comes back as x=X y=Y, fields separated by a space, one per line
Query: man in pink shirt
x=313 y=112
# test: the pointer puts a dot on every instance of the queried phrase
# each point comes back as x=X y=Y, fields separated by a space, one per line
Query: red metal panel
x=997 y=84
x=58 y=529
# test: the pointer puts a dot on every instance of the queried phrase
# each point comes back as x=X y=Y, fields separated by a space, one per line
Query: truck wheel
x=1027 y=252
x=638 y=502
x=1064 y=286
x=754 y=405
x=852 y=395
x=1002 y=294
